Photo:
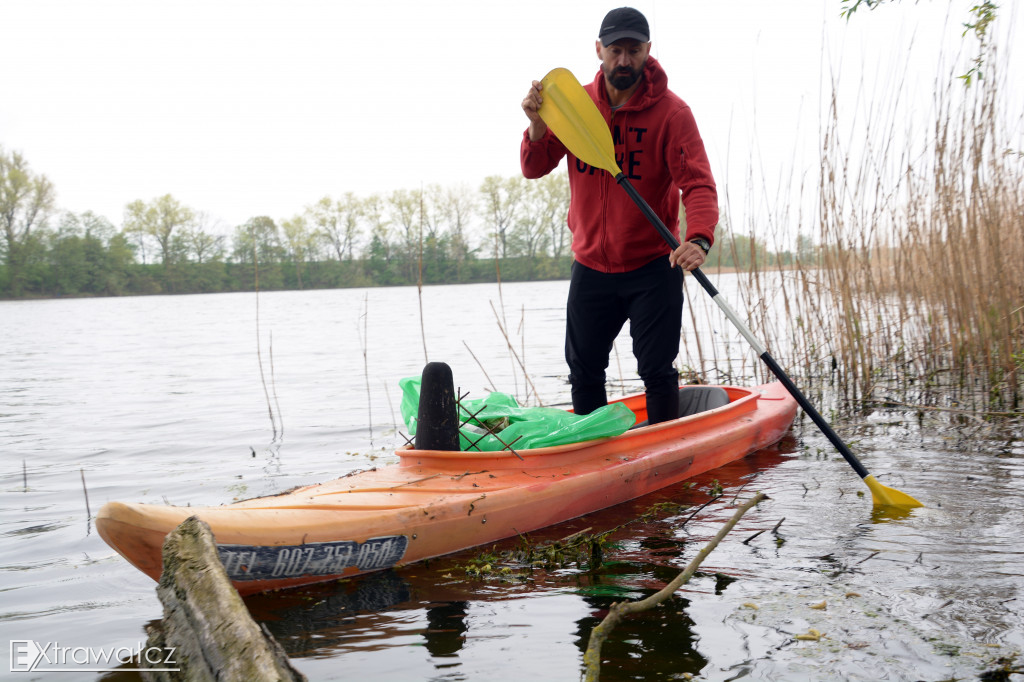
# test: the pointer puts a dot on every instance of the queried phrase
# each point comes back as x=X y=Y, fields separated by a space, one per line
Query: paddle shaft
x=765 y=356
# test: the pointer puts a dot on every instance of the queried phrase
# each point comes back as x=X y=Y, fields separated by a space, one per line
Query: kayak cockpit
x=706 y=407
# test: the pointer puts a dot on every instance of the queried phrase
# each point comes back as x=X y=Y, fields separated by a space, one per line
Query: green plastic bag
x=534 y=427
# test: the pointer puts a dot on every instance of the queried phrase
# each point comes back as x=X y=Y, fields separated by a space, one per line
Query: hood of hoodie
x=653 y=86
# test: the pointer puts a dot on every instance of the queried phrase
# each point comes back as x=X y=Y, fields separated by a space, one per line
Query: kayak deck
x=437 y=502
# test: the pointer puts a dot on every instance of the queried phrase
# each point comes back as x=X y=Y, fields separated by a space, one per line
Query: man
x=623 y=269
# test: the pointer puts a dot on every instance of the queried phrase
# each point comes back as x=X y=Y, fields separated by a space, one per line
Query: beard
x=622 y=78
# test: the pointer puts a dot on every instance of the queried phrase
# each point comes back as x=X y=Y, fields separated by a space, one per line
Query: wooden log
x=205 y=620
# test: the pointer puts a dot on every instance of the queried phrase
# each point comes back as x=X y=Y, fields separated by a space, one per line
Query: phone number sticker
x=245 y=562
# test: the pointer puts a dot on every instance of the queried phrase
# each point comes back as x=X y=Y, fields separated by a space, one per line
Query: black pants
x=651 y=298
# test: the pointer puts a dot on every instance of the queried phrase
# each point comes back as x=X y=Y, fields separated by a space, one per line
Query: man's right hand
x=531 y=103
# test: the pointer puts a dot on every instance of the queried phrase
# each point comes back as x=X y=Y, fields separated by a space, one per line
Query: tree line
x=509 y=228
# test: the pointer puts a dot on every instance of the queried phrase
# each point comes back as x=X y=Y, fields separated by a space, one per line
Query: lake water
x=160 y=399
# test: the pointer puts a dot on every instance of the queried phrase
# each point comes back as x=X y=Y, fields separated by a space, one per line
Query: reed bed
x=914 y=291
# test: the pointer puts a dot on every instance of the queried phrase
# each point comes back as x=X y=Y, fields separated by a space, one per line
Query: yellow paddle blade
x=882 y=494
x=574 y=119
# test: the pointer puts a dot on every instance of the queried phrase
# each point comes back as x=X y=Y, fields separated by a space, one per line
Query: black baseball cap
x=624 y=22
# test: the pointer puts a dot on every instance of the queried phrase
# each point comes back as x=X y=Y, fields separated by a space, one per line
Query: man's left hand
x=688 y=256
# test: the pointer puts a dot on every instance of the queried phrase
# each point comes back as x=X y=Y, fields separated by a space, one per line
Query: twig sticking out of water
x=259 y=354
x=263 y=379
x=699 y=509
x=592 y=657
x=774 y=531
x=273 y=386
x=24 y=475
x=88 y=512
x=419 y=284
x=515 y=355
x=737 y=495
x=747 y=541
x=478 y=364
x=501 y=320
x=391 y=405
x=696 y=337
x=522 y=348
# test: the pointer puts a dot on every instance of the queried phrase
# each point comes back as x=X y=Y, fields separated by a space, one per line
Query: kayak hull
x=433 y=503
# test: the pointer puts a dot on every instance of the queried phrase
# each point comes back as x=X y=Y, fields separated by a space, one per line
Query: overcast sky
x=261 y=107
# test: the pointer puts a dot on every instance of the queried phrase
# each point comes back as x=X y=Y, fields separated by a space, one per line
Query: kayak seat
x=697 y=399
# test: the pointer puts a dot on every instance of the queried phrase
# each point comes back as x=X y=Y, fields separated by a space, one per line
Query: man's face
x=622 y=62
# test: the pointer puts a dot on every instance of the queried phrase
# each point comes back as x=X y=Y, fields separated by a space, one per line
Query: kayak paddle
x=575 y=120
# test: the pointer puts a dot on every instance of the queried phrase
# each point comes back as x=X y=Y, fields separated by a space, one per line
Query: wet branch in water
x=618 y=611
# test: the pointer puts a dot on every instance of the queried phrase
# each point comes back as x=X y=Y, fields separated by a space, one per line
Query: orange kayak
x=437 y=502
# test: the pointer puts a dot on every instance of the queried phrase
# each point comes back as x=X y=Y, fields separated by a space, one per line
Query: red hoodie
x=658 y=147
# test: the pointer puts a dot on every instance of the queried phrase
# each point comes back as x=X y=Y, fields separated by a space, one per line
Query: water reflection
x=661 y=639
x=446 y=628
x=373 y=616
x=311 y=619
x=889 y=514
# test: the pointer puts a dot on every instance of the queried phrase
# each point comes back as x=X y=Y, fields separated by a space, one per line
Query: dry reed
x=928 y=282
x=916 y=292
